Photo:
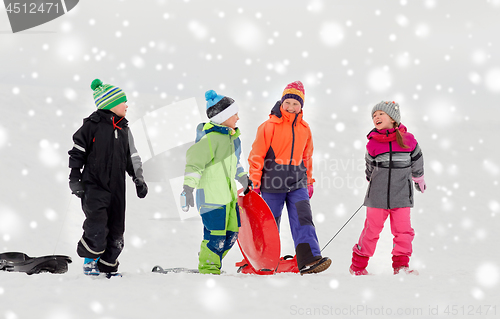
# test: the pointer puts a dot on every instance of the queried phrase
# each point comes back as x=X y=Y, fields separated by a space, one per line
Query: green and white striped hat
x=107 y=96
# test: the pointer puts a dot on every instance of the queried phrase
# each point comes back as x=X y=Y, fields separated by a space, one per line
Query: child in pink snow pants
x=393 y=160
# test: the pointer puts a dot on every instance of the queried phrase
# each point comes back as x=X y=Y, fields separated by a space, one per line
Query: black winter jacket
x=104 y=148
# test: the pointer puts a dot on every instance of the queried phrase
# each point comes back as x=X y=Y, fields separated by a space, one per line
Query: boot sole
x=320 y=266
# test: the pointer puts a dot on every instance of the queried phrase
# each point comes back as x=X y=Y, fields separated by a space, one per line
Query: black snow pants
x=104 y=225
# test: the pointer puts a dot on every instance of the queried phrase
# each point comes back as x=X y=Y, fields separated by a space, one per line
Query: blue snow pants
x=301 y=222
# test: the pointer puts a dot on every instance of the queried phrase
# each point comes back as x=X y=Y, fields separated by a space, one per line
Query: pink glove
x=420 y=183
x=257 y=190
x=310 y=190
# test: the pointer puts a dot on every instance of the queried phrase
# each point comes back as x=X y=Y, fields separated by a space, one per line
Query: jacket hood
x=205 y=128
x=107 y=116
x=276 y=110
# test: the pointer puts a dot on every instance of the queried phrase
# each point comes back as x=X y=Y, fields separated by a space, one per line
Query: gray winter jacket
x=390 y=168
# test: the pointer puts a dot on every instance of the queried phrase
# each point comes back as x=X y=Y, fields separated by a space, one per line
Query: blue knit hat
x=219 y=107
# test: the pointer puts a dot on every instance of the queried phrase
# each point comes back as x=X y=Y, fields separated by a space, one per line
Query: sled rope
x=342 y=227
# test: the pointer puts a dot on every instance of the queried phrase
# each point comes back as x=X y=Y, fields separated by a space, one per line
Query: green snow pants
x=221 y=225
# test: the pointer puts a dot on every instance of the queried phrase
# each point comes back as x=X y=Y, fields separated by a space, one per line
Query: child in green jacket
x=212 y=165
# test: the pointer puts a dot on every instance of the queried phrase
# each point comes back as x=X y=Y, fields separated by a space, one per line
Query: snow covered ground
x=439 y=59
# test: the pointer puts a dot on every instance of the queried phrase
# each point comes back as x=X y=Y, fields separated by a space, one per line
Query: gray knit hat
x=391 y=108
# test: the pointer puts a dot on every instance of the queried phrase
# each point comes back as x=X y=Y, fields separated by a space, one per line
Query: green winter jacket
x=213 y=164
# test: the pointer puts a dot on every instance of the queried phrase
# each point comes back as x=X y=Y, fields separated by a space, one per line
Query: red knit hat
x=294 y=90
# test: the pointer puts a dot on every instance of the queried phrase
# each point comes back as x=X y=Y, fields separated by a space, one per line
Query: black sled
x=20 y=262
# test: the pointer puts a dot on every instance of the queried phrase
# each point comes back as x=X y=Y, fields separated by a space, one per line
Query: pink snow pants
x=374 y=223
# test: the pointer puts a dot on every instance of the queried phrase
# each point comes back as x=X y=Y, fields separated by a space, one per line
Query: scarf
x=388 y=136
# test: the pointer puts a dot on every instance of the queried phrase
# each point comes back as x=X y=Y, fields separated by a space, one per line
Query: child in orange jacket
x=281 y=170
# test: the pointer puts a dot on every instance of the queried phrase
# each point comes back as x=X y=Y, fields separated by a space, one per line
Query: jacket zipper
x=115 y=126
x=411 y=197
x=231 y=146
x=389 y=181
x=293 y=137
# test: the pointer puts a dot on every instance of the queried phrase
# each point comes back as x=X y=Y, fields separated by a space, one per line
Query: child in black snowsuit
x=104 y=148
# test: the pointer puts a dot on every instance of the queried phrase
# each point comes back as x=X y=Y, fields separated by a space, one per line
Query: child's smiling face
x=382 y=121
x=292 y=106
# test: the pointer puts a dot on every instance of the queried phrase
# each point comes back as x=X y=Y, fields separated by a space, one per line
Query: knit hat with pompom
x=294 y=90
x=391 y=108
x=107 y=96
x=219 y=107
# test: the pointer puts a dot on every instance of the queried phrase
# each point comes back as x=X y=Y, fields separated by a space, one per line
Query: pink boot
x=400 y=263
x=406 y=270
x=358 y=266
x=358 y=272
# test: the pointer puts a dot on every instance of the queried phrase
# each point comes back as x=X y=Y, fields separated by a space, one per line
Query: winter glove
x=257 y=190
x=141 y=187
x=77 y=188
x=75 y=183
x=310 y=190
x=420 y=183
x=188 y=195
x=246 y=183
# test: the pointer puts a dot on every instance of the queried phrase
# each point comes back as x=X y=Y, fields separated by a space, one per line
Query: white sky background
x=438 y=59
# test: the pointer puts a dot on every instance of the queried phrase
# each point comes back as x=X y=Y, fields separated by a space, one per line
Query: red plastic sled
x=259 y=239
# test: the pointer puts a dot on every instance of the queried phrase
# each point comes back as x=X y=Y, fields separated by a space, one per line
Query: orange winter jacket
x=281 y=156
